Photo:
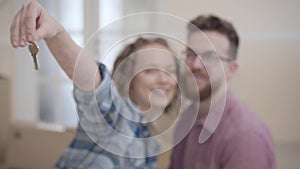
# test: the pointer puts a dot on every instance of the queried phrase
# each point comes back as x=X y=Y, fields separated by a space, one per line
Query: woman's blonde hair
x=122 y=73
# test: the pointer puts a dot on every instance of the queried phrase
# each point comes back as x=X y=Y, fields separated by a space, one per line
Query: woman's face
x=154 y=83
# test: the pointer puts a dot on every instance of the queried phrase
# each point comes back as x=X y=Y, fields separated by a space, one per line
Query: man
x=226 y=134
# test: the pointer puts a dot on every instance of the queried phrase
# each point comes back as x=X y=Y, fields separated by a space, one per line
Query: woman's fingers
x=33 y=14
x=22 y=30
x=24 y=26
x=15 y=30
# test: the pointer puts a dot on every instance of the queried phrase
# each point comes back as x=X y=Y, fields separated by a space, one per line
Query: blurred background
x=37 y=112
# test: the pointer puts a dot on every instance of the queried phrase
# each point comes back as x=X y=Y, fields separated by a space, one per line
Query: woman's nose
x=198 y=63
x=163 y=76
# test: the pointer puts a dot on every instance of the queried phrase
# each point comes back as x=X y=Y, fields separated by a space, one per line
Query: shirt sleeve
x=101 y=122
x=248 y=150
x=98 y=110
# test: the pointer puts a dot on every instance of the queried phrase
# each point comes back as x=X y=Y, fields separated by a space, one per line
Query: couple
x=115 y=132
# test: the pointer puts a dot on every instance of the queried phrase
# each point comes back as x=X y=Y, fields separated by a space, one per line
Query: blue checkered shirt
x=105 y=139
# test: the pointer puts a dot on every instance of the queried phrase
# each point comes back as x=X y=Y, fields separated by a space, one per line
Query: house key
x=34 y=49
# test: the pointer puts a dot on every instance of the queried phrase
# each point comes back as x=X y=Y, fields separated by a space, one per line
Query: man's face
x=205 y=58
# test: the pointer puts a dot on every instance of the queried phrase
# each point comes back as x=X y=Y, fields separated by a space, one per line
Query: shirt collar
x=211 y=121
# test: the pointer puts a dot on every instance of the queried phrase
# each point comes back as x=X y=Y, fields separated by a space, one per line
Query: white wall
x=5 y=57
x=8 y=76
x=5 y=74
x=10 y=61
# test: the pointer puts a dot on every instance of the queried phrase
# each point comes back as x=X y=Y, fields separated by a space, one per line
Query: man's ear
x=232 y=69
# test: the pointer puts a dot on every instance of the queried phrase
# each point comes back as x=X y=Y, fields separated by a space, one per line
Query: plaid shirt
x=105 y=139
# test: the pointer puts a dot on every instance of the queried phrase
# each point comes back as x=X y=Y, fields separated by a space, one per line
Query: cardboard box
x=36 y=146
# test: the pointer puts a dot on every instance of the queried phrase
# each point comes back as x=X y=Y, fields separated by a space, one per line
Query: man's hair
x=214 y=23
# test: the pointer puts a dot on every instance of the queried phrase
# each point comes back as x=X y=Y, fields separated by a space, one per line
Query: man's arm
x=33 y=23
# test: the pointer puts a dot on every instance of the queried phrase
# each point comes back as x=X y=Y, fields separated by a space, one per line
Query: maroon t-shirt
x=240 y=141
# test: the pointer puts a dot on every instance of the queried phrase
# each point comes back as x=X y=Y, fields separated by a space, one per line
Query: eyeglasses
x=208 y=58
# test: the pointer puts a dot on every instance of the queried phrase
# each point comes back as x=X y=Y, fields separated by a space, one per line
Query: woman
x=113 y=132
x=152 y=68
x=140 y=87
x=115 y=128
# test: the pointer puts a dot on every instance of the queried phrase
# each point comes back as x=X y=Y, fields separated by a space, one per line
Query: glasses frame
x=222 y=58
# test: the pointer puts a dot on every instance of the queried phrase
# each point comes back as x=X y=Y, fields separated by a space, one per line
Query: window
x=56 y=104
x=113 y=25
x=46 y=95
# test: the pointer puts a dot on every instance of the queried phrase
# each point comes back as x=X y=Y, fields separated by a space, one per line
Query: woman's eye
x=171 y=71
x=191 y=55
x=151 y=70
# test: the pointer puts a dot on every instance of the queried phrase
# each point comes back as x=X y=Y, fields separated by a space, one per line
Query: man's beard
x=195 y=94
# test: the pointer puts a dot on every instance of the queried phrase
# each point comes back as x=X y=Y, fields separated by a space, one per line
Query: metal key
x=34 y=49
